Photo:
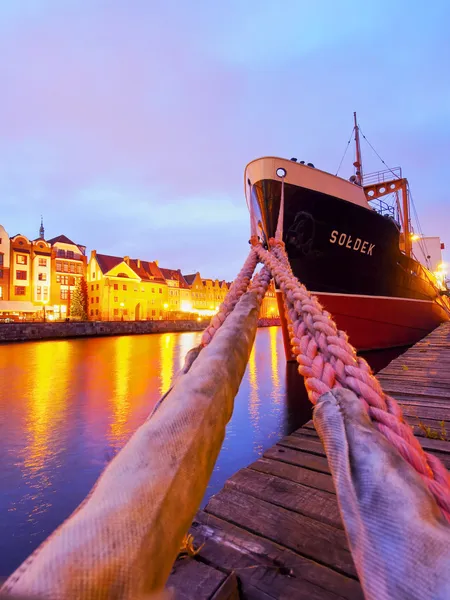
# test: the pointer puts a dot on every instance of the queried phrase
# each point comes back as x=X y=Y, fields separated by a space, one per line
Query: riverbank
x=23 y=332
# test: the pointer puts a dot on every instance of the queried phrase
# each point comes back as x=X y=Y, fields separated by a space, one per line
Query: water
x=68 y=406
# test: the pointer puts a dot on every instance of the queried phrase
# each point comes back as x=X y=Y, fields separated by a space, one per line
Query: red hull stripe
x=374 y=322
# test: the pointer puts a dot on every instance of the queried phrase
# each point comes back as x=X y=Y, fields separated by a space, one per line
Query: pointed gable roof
x=175 y=275
x=62 y=239
x=107 y=262
x=190 y=278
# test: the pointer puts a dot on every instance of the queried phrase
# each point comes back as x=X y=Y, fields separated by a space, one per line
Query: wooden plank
x=295 y=457
x=303 y=443
x=193 y=580
x=312 y=539
x=312 y=479
x=310 y=502
x=266 y=566
x=440 y=448
x=228 y=590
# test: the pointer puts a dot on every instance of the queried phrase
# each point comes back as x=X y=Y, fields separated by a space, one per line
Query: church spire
x=41 y=229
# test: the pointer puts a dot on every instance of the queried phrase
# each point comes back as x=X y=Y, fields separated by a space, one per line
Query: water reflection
x=121 y=398
x=167 y=348
x=274 y=358
x=253 y=404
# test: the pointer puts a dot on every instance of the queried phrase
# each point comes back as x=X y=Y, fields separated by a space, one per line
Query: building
x=4 y=264
x=269 y=306
x=179 y=293
x=428 y=251
x=28 y=279
x=206 y=294
x=68 y=265
x=120 y=288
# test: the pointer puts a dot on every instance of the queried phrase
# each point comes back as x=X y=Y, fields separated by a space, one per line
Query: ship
x=350 y=247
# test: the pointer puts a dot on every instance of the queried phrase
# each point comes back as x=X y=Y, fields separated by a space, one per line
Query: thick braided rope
x=238 y=287
x=327 y=360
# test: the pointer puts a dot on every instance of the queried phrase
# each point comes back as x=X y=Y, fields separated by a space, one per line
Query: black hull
x=336 y=246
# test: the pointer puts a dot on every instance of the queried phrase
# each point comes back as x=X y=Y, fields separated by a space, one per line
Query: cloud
x=130 y=121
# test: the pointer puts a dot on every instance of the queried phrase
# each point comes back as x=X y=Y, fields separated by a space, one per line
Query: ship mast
x=382 y=187
x=358 y=162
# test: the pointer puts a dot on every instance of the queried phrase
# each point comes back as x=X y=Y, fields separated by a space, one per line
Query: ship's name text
x=357 y=244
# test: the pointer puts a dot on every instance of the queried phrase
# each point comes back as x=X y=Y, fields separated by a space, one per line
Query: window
x=116 y=286
x=153 y=313
x=96 y=300
x=69 y=253
x=21 y=274
x=153 y=290
x=45 y=292
x=97 y=286
x=20 y=290
x=93 y=274
x=38 y=291
x=1 y=289
x=92 y=312
x=125 y=311
x=64 y=294
x=96 y=311
x=72 y=268
x=42 y=262
x=65 y=267
x=160 y=290
x=61 y=253
x=79 y=270
x=124 y=287
x=42 y=276
x=21 y=259
x=92 y=300
x=92 y=287
x=116 y=298
x=116 y=312
x=59 y=266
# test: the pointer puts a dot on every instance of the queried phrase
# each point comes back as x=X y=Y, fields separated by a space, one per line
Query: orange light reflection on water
x=167 y=349
x=46 y=401
x=276 y=395
x=254 y=401
x=121 y=394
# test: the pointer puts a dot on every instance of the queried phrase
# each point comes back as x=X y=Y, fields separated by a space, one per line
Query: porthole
x=281 y=172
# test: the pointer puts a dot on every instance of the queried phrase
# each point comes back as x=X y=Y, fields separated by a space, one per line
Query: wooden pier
x=274 y=530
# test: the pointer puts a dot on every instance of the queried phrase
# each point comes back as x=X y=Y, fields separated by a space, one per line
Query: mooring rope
x=328 y=361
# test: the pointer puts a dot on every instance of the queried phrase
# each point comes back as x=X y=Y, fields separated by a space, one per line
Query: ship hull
x=349 y=256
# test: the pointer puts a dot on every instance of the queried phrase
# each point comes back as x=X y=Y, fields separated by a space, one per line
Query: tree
x=79 y=302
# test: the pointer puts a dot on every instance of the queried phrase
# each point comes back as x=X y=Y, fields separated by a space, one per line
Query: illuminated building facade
x=38 y=278
x=68 y=265
x=178 y=293
x=269 y=306
x=125 y=289
x=206 y=294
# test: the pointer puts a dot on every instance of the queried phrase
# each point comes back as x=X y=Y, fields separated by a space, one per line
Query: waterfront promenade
x=27 y=331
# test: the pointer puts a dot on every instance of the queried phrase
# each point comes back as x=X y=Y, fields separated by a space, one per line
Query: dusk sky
x=128 y=123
